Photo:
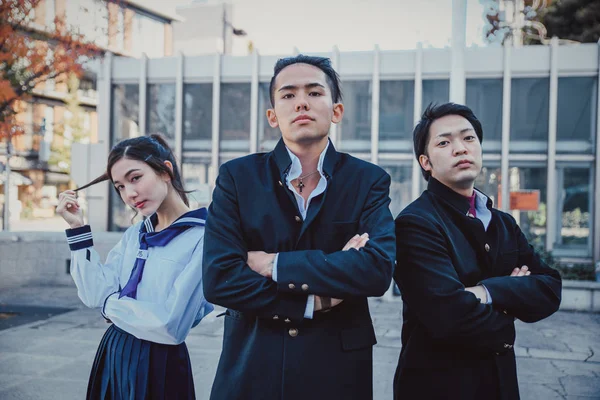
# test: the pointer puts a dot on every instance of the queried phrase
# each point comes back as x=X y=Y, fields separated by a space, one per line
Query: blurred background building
x=537 y=98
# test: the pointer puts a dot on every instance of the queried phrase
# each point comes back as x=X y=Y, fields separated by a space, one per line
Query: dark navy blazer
x=270 y=351
x=454 y=347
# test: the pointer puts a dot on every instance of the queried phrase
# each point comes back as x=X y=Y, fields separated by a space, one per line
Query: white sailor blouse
x=170 y=299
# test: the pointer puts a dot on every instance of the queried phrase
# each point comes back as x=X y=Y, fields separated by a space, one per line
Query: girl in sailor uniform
x=150 y=286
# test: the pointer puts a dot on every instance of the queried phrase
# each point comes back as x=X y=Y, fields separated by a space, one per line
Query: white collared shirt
x=485 y=216
x=295 y=172
x=170 y=299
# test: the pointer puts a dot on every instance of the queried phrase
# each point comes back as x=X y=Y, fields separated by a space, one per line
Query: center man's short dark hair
x=323 y=63
x=433 y=112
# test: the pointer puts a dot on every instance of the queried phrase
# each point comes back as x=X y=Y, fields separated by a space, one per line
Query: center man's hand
x=356 y=242
x=261 y=262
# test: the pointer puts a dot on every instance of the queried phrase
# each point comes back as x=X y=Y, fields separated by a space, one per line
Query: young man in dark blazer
x=465 y=271
x=296 y=240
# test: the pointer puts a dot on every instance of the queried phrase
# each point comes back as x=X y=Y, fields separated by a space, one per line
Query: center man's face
x=303 y=109
x=454 y=155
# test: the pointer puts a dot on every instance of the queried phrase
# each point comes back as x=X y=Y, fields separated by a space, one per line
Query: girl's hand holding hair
x=68 y=208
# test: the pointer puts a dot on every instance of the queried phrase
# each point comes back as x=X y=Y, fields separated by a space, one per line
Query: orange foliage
x=31 y=54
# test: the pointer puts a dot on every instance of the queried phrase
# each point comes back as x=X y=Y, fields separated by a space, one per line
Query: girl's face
x=139 y=185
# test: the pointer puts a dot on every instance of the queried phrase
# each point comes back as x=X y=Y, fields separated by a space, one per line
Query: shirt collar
x=457 y=200
x=296 y=168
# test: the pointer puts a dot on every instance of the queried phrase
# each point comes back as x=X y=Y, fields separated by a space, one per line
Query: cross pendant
x=300 y=186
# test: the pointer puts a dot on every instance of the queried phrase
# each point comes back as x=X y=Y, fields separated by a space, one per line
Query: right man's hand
x=523 y=271
x=69 y=209
x=356 y=243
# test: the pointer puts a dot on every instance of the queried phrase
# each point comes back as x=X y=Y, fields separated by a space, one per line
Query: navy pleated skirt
x=128 y=368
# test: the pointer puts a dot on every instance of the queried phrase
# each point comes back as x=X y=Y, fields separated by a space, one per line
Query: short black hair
x=323 y=63
x=433 y=112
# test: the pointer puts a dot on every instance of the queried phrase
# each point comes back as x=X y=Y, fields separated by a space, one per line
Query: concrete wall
x=40 y=258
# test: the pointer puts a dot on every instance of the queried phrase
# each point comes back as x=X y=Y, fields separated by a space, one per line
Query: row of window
x=529 y=110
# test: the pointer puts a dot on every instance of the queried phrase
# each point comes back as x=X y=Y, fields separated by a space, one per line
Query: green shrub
x=576 y=272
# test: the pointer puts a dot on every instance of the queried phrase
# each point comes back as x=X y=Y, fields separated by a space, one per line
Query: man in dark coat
x=465 y=271
x=296 y=240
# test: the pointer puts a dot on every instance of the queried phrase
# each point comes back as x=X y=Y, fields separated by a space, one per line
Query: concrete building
x=538 y=105
x=127 y=28
x=205 y=28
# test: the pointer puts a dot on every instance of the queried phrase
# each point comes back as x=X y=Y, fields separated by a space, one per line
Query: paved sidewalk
x=558 y=358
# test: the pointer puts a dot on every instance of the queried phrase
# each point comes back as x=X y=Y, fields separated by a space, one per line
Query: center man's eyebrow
x=307 y=86
x=127 y=174
x=446 y=134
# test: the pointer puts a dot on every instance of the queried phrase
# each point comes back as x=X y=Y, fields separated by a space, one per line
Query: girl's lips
x=140 y=204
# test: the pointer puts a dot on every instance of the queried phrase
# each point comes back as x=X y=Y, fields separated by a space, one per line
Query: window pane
x=574 y=203
x=125 y=112
x=400 y=188
x=435 y=91
x=396 y=109
x=488 y=182
x=532 y=223
x=484 y=97
x=355 y=129
x=267 y=136
x=195 y=175
x=160 y=119
x=197 y=116
x=576 y=114
x=529 y=115
x=234 y=120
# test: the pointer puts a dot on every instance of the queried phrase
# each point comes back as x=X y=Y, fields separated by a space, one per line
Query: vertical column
x=596 y=233
x=143 y=90
x=98 y=197
x=552 y=189
x=215 y=121
x=418 y=105
x=459 y=42
x=335 y=62
x=506 y=89
x=375 y=107
x=179 y=109
x=254 y=104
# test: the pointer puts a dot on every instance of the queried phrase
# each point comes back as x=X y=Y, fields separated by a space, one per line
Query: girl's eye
x=135 y=178
x=119 y=187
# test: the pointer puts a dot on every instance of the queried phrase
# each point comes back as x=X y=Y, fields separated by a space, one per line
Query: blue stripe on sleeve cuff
x=79 y=238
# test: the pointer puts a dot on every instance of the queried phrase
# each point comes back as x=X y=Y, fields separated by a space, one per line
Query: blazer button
x=287 y=320
x=304 y=287
x=292 y=286
x=298 y=219
x=470 y=215
x=280 y=184
x=293 y=332
x=487 y=247
x=275 y=317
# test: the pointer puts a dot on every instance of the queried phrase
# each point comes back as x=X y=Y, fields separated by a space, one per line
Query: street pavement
x=558 y=358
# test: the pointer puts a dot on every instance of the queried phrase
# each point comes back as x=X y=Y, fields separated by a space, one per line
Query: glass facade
x=234 y=120
x=160 y=116
x=529 y=108
x=568 y=229
x=576 y=121
x=396 y=115
x=197 y=116
x=125 y=112
x=355 y=129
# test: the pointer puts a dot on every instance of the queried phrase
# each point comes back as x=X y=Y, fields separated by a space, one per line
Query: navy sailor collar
x=193 y=217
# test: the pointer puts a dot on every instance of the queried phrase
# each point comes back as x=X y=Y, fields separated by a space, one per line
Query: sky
x=277 y=26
